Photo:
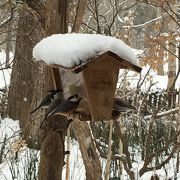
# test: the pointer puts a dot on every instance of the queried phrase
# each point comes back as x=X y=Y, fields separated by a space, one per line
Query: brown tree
x=52 y=145
x=28 y=77
x=30 y=82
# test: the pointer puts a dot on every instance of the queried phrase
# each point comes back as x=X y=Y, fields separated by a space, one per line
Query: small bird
x=64 y=108
x=47 y=100
x=52 y=106
x=122 y=106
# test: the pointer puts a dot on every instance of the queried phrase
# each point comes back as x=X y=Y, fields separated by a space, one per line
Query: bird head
x=75 y=98
x=55 y=91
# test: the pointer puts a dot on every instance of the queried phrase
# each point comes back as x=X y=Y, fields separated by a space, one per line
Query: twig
x=161 y=114
x=107 y=171
x=67 y=156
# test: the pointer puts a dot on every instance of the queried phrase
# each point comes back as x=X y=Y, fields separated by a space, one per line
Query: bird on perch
x=47 y=100
x=64 y=108
x=120 y=106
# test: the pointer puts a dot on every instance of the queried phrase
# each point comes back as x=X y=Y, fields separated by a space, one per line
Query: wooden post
x=52 y=146
x=88 y=150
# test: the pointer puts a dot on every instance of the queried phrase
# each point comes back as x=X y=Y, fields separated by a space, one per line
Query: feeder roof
x=74 y=51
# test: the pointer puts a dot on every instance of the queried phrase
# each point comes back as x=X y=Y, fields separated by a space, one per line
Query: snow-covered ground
x=27 y=161
x=13 y=166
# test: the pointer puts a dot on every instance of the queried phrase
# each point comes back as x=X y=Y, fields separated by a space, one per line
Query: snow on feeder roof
x=97 y=58
x=73 y=50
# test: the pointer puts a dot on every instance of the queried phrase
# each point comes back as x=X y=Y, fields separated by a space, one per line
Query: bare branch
x=162 y=114
x=161 y=45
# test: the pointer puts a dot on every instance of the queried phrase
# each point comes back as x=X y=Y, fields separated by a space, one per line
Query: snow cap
x=69 y=50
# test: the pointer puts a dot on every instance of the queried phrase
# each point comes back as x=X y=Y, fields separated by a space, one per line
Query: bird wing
x=52 y=107
x=34 y=110
x=64 y=107
x=45 y=102
x=122 y=103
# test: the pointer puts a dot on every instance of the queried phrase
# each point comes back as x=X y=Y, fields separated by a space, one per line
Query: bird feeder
x=99 y=76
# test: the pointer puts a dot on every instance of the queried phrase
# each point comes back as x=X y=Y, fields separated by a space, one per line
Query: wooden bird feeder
x=99 y=76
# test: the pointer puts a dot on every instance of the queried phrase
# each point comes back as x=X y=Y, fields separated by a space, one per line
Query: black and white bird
x=64 y=108
x=47 y=100
x=52 y=106
x=120 y=106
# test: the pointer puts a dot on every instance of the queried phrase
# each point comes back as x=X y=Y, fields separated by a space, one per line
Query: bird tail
x=45 y=117
x=34 y=110
x=49 y=115
x=42 y=122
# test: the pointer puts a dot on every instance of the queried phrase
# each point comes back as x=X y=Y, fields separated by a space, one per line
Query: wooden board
x=56 y=78
x=100 y=79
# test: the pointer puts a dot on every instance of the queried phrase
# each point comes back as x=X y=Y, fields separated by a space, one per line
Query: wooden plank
x=124 y=63
x=56 y=78
x=100 y=84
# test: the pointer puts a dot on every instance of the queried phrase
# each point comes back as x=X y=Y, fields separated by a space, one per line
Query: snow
x=12 y=168
x=19 y=169
x=77 y=169
x=8 y=128
x=72 y=49
x=159 y=81
x=126 y=19
x=4 y=74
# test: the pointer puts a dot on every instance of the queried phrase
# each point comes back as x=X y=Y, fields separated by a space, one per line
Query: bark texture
x=52 y=145
x=88 y=150
x=28 y=83
x=79 y=15
x=52 y=157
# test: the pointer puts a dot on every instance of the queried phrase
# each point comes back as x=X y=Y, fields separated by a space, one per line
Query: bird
x=47 y=100
x=52 y=106
x=120 y=106
x=64 y=108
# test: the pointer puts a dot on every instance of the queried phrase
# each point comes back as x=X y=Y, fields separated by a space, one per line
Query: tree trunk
x=88 y=150
x=79 y=15
x=171 y=27
x=28 y=77
x=52 y=157
x=52 y=145
x=30 y=82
